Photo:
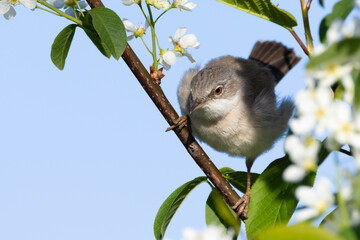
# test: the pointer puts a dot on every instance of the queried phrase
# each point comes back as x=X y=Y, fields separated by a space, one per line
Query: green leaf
x=340 y=11
x=111 y=30
x=272 y=200
x=357 y=93
x=239 y=179
x=348 y=234
x=171 y=205
x=226 y=170
x=61 y=46
x=297 y=232
x=219 y=213
x=92 y=34
x=357 y=191
x=321 y=2
x=264 y=9
x=338 y=53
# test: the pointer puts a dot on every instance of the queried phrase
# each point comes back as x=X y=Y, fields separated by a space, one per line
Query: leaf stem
x=305 y=13
x=163 y=13
x=153 y=35
x=77 y=4
x=142 y=39
x=61 y=13
x=306 y=51
x=308 y=5
x=46 y=10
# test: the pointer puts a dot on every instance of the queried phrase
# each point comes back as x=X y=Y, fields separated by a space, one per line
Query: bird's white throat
x=217 y=108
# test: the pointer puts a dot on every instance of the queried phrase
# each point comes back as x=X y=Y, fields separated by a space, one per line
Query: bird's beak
x=195 y=104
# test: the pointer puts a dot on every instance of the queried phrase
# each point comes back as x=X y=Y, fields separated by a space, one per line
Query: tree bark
x=192 y=146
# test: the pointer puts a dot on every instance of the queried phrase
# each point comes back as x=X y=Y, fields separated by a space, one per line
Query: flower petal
x=83 y=4
x=164 y=64
x=130 y=37
x=70 y=11
x=189 y=41
x=57 y=3
x=29 y=4
x=305 y=194
x=10 y=14
x=334 y=34
x=303 y=124
x=128 y=2
x=129 y=26
x=188 y=6
x=169 y=57
x=189 y=56
x=4 y=7
x=306 y=213
x=179 y=33
x=171 y=40
x=293 y=174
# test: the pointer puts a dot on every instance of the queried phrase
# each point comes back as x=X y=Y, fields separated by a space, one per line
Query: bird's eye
x=218 y=90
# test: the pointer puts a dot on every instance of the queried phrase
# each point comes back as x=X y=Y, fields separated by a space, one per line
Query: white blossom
x=342 y=125
x=68 y=5
x=338 y=31
x=158 y=4
x=316 y=200
x=313 y=106
x=335 y=32
x=7 y=9
x=138 y=31
x=210 y=233
x=182 y=42
x=184 y=5
x=167 y=58
x=331 y=73
x=131 y=2
x=303 y=154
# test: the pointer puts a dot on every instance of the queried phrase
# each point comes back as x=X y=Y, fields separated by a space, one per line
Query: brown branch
x=308 y=5
x=302 y=45
x=345 y=152
x=158 y=97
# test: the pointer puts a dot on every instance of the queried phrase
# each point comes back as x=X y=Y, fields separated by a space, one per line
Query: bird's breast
x=233 y=134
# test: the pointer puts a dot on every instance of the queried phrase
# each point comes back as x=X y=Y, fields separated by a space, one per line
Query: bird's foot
x=179 y=123
x=242 y=206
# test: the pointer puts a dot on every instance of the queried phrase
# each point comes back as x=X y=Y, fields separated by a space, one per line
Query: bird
x=231 y=104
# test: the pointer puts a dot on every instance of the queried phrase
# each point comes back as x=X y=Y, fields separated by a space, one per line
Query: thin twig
x=305 y=14
x=345 y=152
x=158 y=97
x=308 y=5
x=302 y=45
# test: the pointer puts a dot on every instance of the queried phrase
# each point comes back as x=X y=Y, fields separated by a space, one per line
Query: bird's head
x=214 y=93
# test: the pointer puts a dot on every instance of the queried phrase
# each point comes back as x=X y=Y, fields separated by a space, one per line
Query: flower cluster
x=8 y=11
x=316 y=200
x=325 y=109
x=180 y=41
x=137 y=31
x=323 y=112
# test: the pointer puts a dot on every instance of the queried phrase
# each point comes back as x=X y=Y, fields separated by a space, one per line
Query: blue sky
x=83 y=151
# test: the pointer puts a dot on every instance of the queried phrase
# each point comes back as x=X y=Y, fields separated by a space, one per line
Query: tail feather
x=275 y=56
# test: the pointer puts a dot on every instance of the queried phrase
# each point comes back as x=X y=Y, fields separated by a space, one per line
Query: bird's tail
x=275 y=56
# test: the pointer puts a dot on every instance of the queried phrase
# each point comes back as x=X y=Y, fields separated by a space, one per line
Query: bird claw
x=179 y=123
x=242 y=206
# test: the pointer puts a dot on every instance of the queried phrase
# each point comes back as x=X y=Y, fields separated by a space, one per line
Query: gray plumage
x=231 y=102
